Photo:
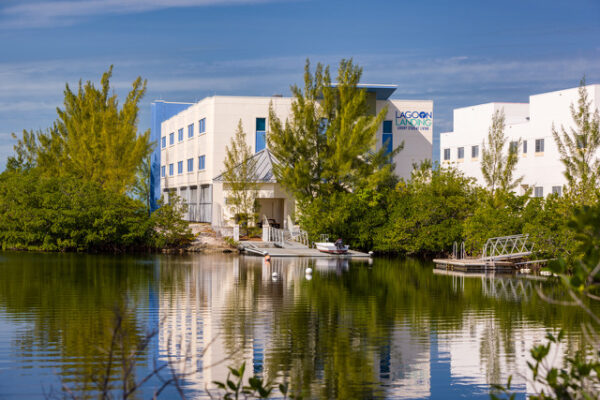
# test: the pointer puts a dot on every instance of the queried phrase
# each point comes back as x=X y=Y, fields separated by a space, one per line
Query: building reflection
x=221 y=311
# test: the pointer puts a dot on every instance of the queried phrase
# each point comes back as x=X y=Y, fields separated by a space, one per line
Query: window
x=581 y=142
x=172 y=138
x=538 y=191
x=201 y=163
x=163 y=171
x=180 y=167
x=261 y=135
x=191 y=130
x=190 y=166
x=475 y=151
x=524 y=146
x=513 y=146
x=539 y=145
x=163 y=142
x=557 y=190
x=461 y=153
x=202 y=126
x=170 y=169
x=446 y=154
x=180 y=134
x=387 y=126
x=323 y=124
x=387 y=142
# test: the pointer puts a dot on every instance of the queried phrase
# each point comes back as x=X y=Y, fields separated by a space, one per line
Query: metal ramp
x=507 y=247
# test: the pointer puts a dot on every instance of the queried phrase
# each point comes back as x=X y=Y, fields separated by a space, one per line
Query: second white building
x=539 y=160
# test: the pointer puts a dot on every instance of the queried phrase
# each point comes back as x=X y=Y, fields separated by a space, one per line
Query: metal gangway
x=284 y=238
x=507 y=247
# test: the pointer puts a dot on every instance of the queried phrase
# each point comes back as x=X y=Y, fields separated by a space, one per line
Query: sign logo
x=414 y=120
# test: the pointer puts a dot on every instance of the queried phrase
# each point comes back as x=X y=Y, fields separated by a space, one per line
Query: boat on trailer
x=331 y=248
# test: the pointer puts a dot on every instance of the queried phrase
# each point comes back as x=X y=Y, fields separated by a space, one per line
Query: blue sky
x=456 y=53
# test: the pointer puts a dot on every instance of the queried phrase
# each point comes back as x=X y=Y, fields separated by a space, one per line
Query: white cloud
x=66 y=12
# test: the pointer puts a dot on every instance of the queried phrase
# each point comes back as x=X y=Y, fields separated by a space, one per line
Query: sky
x=456 y=53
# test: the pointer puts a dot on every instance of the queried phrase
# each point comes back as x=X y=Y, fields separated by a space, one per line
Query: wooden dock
x=474 y=265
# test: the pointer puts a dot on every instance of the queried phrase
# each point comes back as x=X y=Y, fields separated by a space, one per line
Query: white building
x=192 y=146
x=539 y=161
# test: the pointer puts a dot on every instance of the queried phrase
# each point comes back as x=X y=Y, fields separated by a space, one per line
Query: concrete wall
x=527 y=122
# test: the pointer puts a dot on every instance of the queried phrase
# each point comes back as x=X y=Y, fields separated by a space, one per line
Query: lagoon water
x=390 y=328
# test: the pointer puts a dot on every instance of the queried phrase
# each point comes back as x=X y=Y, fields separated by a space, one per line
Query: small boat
x=331 y=248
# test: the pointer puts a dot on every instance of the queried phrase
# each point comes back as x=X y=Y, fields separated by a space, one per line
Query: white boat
x=326 y=247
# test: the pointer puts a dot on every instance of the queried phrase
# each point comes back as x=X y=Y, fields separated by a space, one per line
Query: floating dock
x=474 y=265
x=262 y=248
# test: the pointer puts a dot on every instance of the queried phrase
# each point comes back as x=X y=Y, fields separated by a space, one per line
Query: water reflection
x=349 y=329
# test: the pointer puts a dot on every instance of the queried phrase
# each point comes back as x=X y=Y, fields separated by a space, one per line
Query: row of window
x=201 y=130
x=190 y=166
x=460 y=153
x=261 y=134
x=538 y=191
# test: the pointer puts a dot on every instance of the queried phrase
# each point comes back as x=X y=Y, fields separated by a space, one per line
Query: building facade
x=531 y=123
x=192 y=148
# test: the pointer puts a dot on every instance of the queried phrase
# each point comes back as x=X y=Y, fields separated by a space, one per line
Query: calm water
x=386 y=329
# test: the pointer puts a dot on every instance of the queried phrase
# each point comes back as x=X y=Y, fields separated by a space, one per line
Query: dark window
x=538 y=191
x=387 y=126
x=557 y=190
x=514 y=146
x=461 y=153
x=172 y=138
x=191 y=130
x=474 y=151
x=539 y=145
x=524 y=146
x=446 y=154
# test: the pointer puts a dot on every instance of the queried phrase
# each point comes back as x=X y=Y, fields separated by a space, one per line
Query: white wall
x=527 y=122
x=417 y=139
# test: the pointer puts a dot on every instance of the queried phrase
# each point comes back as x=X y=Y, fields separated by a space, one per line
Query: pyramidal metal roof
x=264 y=167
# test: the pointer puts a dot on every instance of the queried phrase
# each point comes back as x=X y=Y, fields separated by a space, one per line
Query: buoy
x=308 y=277
x=274 y=275
x=309 y=270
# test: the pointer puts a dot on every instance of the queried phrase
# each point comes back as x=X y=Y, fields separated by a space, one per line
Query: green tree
x=578 y=148
x=428 y=211
x=496 y=215
x=240 y=176
x=141 y=187
x=93 y=138
x=327 y=144
x=497 y=168
x=170 y=230
x=67 y=214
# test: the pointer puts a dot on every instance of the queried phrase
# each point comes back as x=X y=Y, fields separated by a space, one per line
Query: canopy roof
x=264 y=167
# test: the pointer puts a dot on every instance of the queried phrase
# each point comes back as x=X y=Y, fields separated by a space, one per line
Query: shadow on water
x=350 y=329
